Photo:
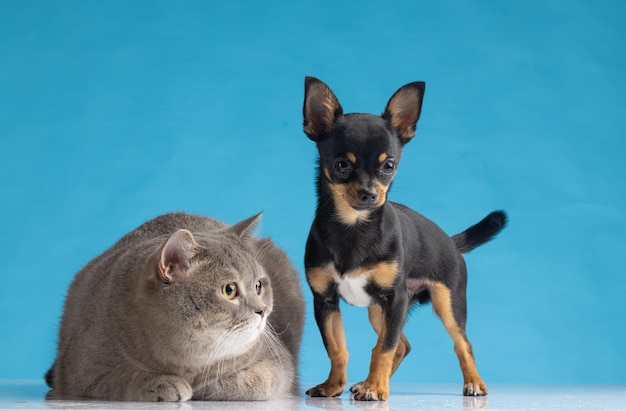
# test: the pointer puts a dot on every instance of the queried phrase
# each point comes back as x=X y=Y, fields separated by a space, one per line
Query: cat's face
x=212 y=290
x=238 y=291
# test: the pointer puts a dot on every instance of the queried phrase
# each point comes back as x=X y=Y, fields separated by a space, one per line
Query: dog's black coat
x=400 y=256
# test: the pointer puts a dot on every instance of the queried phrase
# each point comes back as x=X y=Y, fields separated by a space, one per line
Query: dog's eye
x=342 y=167
x=258 y=287
x=388 y=167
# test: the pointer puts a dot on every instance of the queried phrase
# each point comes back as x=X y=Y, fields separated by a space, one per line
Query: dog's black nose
x=367 y=197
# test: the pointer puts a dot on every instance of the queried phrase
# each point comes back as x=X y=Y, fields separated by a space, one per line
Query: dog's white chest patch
x=353 y=289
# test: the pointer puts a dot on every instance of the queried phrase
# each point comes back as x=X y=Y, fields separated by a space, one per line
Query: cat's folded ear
x=243 y=228
x=175 y=255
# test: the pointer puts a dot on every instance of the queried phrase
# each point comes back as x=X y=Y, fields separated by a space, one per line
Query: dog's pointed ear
x=321 y=108
x=404 y=108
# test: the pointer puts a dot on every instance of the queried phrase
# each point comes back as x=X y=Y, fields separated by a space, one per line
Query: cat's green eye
x=258 y=287
x=229 y=291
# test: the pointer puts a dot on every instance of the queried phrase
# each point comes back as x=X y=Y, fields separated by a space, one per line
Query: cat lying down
x=184 y=307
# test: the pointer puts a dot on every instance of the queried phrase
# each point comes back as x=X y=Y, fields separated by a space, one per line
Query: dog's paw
x=357 y=387
x=166 y=388
x=325 y=389
x=366 y=392
x=472 y=389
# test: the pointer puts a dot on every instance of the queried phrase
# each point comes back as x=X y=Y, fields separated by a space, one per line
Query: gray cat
x=184 y=307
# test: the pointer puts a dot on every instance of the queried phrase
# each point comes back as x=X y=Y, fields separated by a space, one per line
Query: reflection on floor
x=29 y=395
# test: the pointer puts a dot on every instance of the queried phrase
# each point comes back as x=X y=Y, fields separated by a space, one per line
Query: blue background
x=114 y=112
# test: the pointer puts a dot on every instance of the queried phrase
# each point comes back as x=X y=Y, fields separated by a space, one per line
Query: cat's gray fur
x=147 y=320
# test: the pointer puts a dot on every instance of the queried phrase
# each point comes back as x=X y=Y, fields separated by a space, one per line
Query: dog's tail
x=481 y=232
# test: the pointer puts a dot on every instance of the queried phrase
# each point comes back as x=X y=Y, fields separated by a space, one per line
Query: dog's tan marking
x=404 y=112
x=381 y=191
x=376 y=386
x=346 y=195
x=338 y=354
x=382 y=158
x=375 y=314
x=382 y=274
x=377 y=383
x=442 y=305
x=319 y=279
x=351 y=157
x=327 y=174
x=343 y=196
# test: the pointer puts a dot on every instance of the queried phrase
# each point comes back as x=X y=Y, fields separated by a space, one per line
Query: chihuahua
x=375 y=253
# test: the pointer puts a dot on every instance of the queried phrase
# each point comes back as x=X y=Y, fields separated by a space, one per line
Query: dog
x=375 y=253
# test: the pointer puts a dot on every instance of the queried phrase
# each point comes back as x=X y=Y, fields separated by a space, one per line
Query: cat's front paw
x=166 y=388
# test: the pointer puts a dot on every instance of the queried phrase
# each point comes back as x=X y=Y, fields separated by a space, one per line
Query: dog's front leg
x=328 y=318
x=376 y=386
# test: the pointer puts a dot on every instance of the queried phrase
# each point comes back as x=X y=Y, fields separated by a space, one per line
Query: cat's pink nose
x=261 y=312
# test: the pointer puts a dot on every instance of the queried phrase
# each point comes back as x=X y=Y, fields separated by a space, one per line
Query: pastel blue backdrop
x=112 y=112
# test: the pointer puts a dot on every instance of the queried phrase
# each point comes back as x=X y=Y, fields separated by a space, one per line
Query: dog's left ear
x=404 y=108
x=321 y=108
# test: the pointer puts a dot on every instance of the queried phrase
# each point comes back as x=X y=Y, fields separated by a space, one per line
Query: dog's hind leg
x=453 y=315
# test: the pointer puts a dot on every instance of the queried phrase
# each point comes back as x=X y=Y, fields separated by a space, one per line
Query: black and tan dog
x=376 y=253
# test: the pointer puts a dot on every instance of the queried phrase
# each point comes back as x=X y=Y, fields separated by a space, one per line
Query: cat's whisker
x=225 y=348
x=273 y=330
x=262 y=250
x=274 y=344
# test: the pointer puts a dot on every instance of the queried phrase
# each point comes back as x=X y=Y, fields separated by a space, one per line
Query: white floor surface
x=29 y=395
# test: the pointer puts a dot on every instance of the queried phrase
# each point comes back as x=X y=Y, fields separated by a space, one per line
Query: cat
x=183 y=307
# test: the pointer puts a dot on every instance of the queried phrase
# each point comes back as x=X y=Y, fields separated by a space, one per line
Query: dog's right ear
x=321 y=108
